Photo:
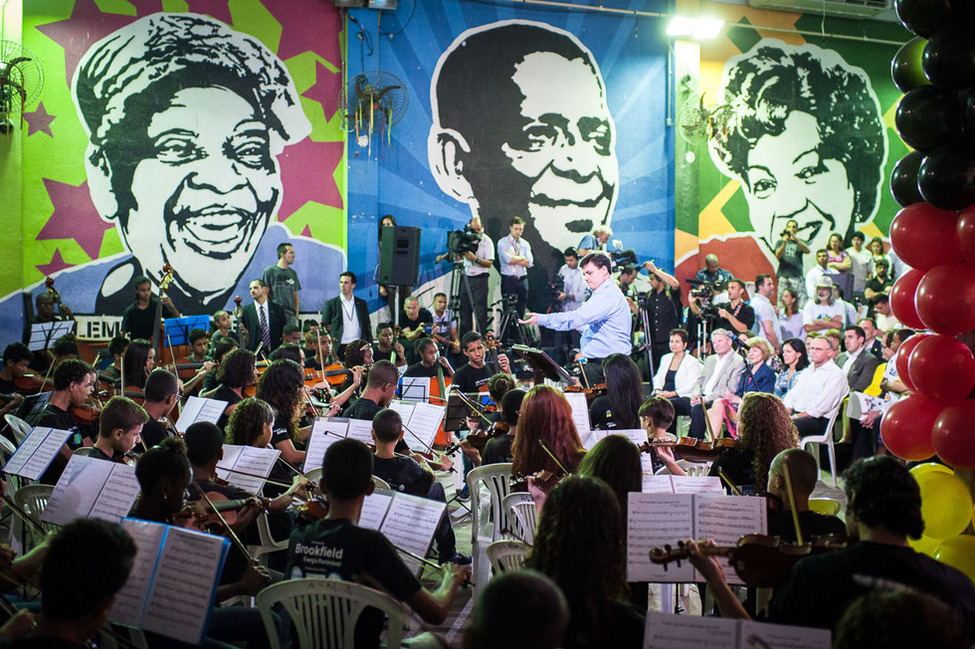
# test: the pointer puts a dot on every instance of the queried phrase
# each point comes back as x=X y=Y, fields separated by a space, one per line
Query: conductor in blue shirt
x=604 y=318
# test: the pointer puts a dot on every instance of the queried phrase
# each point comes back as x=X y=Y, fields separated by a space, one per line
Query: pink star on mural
x=57 y=263
x=308 y=25
x=218 y=9
x=303 y=182
x=74 y=217
x=146 y=7
x=326 y=88
x=86 y=25
x=39 y=121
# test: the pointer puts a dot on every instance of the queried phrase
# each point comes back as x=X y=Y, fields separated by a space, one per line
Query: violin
x=89 y=411
x=760 y=560
x=312 y=510
x=693 y=449
x=165 y=280
x=220 y=510
x=544 y=480
x=31 y=384
x=593 y=391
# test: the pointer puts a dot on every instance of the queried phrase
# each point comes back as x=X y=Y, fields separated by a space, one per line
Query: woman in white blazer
x=679 y=376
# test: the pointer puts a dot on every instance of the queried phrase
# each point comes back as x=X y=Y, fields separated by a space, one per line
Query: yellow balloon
x=927 y=467
x=958 y=552
x=946 y=504
x=925 y=545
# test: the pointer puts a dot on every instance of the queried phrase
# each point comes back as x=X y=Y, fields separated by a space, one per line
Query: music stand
x=177 y=330
x=42 y=333
x=544 y=366
x=457 y=412
x=414 y=388
x=32 y=405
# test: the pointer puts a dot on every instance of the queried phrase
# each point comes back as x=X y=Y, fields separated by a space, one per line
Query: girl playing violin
x=656 y=417
x=546 y=418
x=237 y=371
x=282 y=386
x=137 y=362
x=618 y=407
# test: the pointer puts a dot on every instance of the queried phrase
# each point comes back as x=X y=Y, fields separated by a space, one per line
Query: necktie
x=265 y=334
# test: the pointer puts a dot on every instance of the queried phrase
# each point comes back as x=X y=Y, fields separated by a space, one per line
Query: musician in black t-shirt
x=470 y=377
x=72 y=385
x=430 y=361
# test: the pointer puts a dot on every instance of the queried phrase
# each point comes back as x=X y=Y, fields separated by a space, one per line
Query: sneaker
x=460 y=559
x=464 y=495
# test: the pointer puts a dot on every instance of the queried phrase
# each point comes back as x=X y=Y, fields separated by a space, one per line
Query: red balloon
x=924 y=236
x=945 y=299
x=906 y=427
x=902 y=299
x=942 y=368
x=903 y=354
x=966 y=232
x=953 y=436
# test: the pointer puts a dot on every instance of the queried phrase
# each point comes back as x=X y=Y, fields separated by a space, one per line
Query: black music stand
x=544 y=366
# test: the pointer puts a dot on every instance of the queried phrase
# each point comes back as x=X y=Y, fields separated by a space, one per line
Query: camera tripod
x=458 y=282
x=509 y=321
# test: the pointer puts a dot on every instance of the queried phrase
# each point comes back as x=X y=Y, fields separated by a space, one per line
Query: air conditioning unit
x=839 y=8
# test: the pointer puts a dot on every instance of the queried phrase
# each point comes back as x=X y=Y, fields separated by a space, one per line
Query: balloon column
x=934 y=234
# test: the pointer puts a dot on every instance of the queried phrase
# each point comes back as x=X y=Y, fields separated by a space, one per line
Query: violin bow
x=792 y=500
x=172 y=364
x=735 y=491
x=473 y=405
x=427 y=446
x=552 y=455
x=230 y=530
x=254 y=475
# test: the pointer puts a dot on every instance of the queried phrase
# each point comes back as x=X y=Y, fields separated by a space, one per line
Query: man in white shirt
x=761 y=303
x=346 y=317
x=822 y=312
x=883 y=315
x=572 y=296
x=263 y=320
x=817 y=391
x=515 y=255
x=816 y=273
x=477 y=266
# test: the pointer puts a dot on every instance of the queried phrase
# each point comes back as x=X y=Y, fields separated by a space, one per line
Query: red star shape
x=308 y=25
x=307 y=231
x=39 y=121
x=218 y=9
x=74 y=217
x=57 y=263
x=326 y=88
x=86 y=25
x=302 y=177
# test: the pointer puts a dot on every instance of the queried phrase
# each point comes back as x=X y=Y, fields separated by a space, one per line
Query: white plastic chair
x=690 y=468
x=827 y=506
x=83 y=450
x=315 y=475
x=507 y=555
x=489 y=520
x=522 y=516
x=32 y=499
x=268 y=544
x=380 y=483
x=7 y=447
x=324 y=612
x=827 y=438
x=19 y=427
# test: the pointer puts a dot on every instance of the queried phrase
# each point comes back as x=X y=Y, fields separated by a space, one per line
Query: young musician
x=116 y=348
x=282 y=385
x=411 y=474
x=161 y=396
x=72 y=385
x=337 y=546
x=656 y=416
x=803 y=474
x=380 y=390
x=199 y=343
x=138 y=319
x=219 y=352
x=430 y=361
x=498 y=449
x=237 y=371
x=16 y=358
x=120 y=425
x=138 y=361
x=546 y=418
x=222 y=330
x=388 y=346
x=470 y=377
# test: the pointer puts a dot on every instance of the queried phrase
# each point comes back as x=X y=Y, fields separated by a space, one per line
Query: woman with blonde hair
x=764 y=430
x=724 y=410
x=545 y=418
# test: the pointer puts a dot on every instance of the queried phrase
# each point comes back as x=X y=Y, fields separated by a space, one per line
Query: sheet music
x=757 y=635
x=360 y=429
x=131 y=598
x=92 y=488
x=198 y=409
x=247 y=459
x=182 y=593
x=424 y=423
x=657 y=484
x=374 y=508
x=36 y=453
x=580 y=412
x=666 y=631
x=697 y=484
x=410 y=524
x=726 y=519
x=654 y=520
x=324 y=433
x=404 y=408
x=415 y=388
x=592 y=438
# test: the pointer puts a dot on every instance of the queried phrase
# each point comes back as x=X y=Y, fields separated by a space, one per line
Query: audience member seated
x=818 y=390
x=764 y=430
x=722 y=373
x=411 y=474
x=794 y=359
x=624 y=394
x=679 y=376
x=821 y=312
x=580 y=526
x=336 y=546
x=886 y=320
x=881 y=282
x=761 y=378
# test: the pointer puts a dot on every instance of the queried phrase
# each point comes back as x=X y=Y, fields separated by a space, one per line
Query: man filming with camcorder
x=476 y=251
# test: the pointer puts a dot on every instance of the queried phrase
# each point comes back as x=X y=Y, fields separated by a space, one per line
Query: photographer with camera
x=664 y=309
x=789 y=252
x=476 y=250
x=737 y=316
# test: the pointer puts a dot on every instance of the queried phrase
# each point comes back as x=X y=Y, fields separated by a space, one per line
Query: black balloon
x=949 y=57
x=947 y=177
x=925 y=17
x=929 y=118
x=905 y=67
x=903 y=180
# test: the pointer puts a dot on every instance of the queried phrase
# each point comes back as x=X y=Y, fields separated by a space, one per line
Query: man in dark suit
x=857 y=362
x=346 y=317
x=263 y=319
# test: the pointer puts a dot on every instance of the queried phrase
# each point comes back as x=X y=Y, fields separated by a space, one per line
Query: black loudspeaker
x=399 y=256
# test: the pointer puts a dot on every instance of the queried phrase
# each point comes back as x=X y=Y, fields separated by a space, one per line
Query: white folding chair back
x=690 y=468
x=315 y=475
x=324 y=612
x=825 y=438
x=19 y=427
x=7 y=448
x=826 y=506
x=489 y=520
x=268 y=544
x=84 y=450
x=32 y=499
x=522 y=516
x=507 y=556
x=380 y=483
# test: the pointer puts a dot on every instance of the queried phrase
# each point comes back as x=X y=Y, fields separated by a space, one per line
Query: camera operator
x=663 y=305
x=736 y=316
x=789 y=252
x=477 y=265
x=625 y=281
